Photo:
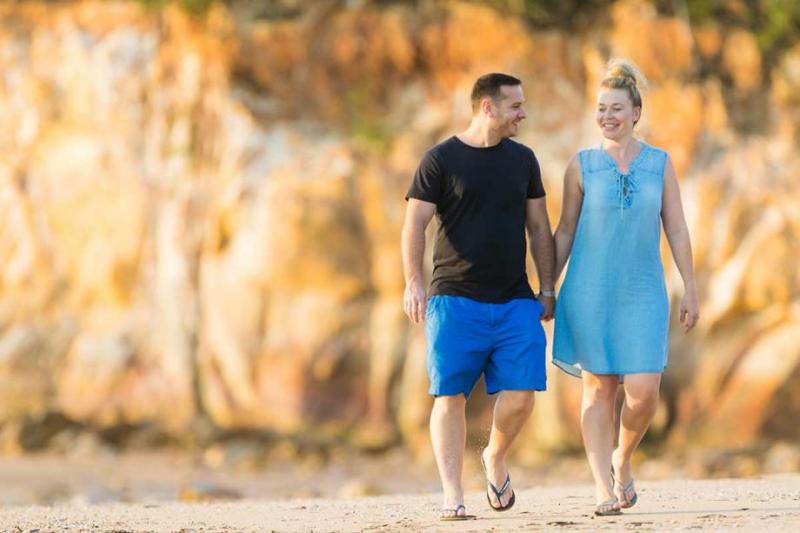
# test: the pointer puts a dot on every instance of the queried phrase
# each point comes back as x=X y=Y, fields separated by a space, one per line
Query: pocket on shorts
x=429 y=305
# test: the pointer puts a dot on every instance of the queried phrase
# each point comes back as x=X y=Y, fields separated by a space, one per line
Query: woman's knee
x=597 y=389
x=642 y=399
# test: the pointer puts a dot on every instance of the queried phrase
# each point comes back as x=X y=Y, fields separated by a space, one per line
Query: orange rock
x=199 y=217
x=708 y=39
x=635 y=24
x=741 y=60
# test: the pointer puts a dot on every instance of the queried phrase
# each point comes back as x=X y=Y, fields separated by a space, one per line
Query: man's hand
x=549 y=303
x=415 y=302
x=412 y=245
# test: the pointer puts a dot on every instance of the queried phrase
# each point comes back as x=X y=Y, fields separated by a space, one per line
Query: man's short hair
x=489 y=85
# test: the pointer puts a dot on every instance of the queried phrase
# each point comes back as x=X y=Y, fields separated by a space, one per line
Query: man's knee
x=518 y=402
x=450 y=404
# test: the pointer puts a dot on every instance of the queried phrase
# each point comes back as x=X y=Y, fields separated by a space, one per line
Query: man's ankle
x=456 y=497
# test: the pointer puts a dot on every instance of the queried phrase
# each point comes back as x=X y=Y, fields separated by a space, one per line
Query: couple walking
x=480 y=314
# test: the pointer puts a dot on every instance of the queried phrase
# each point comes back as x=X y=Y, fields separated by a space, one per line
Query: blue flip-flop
x=624 y=502
x=455 y=517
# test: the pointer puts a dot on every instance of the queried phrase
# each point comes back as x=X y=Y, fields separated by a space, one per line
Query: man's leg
x=597 y=428
x=641 y=401
x=511 y=411
x=448 y=436
x=516 y=368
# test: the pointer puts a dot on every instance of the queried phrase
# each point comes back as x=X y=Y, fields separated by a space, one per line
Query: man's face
x=507 y=111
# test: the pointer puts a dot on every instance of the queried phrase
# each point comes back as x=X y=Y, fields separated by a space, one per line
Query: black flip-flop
x=498 y=492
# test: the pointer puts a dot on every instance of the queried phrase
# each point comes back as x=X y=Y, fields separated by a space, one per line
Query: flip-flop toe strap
x=445 y=512
x=503 y=489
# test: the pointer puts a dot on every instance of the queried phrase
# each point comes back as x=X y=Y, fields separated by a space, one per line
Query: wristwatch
x=549 y=294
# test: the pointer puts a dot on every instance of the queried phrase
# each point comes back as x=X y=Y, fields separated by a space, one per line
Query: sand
x=769 y=503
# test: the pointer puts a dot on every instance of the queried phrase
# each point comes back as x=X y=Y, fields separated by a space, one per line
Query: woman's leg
x=597 y=427
x=638 y=409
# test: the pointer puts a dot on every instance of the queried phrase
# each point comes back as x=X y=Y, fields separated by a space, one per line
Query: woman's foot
x=606 y=502
x=621 y=474
x=458 y=512
x=609 y=507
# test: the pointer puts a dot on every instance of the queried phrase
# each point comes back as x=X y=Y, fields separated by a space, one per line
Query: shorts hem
x=450 y=392
x=539 y=387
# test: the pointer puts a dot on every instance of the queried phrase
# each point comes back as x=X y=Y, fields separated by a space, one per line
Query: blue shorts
x=467 y=338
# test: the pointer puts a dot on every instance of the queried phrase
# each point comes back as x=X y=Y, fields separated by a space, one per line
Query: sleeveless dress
x=612 y=312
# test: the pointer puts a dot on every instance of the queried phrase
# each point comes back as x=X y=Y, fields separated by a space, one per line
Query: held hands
x=690 y=310
x=415 y=302
x=549 y=303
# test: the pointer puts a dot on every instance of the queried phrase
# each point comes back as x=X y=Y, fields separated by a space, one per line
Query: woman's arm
x=572 y=199
x=678 y=237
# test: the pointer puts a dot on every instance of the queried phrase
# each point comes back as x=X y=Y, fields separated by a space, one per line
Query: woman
x=612 y=313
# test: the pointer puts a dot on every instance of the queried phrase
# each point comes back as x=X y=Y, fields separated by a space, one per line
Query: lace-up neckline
x=626 y=183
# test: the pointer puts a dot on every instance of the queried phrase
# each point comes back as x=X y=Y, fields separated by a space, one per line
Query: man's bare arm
x=412 y=244
x=542 y=250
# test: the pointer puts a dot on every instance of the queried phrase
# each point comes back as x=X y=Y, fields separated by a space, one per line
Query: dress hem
x=577 y=371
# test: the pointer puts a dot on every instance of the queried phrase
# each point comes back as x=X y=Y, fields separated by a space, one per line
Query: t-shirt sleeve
x=428 y=180
x=535 y=186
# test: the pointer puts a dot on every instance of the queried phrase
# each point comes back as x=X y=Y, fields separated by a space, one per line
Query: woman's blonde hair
x=623 y=74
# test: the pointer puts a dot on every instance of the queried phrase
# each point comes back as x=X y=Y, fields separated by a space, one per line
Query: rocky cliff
x=200 y=214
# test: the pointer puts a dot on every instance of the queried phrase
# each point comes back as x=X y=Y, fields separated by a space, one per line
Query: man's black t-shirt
x=480 y=196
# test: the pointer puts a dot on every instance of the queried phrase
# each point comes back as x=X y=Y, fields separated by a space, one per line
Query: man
x=482 y=316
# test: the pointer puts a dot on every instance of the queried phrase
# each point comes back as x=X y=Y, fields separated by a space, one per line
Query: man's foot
x=500 y=495
x=459 y=512
x=624 y=489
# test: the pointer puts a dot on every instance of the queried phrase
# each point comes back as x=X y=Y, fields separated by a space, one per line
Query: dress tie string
x=626 y=186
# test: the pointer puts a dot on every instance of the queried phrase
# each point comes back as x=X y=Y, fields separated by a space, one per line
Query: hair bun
x=625 y=73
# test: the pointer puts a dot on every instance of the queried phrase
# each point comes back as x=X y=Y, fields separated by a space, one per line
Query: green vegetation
x=196 y=7
x=776 y=23
x=366 y=125
x=571 y=14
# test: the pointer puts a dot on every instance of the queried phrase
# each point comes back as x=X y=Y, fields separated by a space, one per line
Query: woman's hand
x=690 y=310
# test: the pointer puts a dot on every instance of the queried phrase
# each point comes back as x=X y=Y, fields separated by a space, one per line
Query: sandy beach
x=770 y=503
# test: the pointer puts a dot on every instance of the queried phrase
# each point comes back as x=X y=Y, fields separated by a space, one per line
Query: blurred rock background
x=200 y=208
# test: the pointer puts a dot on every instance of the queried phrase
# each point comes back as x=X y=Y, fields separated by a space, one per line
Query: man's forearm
x=412 y=245
x=543 y=252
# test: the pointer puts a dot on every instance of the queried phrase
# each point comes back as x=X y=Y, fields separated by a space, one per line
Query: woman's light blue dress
x=612 y=311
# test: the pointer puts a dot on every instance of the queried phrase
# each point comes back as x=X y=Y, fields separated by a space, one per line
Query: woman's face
x=616 y=114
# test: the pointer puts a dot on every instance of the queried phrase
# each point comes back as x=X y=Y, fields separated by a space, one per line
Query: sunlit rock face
x=200 y=216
